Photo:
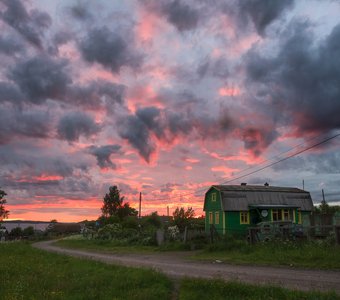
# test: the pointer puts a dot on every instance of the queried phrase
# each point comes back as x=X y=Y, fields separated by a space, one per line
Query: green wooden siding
x=233 y=226
x=213 y=207
x=229 y=222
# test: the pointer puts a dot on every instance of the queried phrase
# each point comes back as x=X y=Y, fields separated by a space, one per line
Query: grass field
x=28 y=273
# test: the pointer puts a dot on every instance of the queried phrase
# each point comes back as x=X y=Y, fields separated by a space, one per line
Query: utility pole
x=167 y=210
x=303 y=184
x=140 y=206
x=323 y=197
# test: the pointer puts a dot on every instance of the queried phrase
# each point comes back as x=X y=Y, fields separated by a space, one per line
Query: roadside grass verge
x=312 y=255
x=192 y=289
x=28 y=273
x=98 y=245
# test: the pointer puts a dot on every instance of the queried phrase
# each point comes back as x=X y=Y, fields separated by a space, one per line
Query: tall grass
x=27 y=273
x=192 y=289
x=315 y=255
x=112 y=246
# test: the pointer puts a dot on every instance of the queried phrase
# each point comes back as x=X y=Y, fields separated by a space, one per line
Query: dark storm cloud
x=137 y=133
x=35 y=172
x=181 y=15
x=256 y=140
x=264 y=12
x=192 y=114
x=41 y=78
x=97 y=94
x=103 y=154
x=30 y=25
x=127 y=189
x=185 y=116
x=80 y=11
x=60 y=38
x=315 y=162
x=302 y=81
x=10 y=45
x=259 y=12
x=10 y=93
x=17 y=123
x=150 y=117
x=17 y=164
x=73 y=125
x=187 y=15
x=217 y=68
x=111 y=49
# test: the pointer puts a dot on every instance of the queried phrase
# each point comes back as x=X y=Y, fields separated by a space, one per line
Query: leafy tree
x=113 y=205
x=182 y=217
x=28 y=231
x=324 y=208
x=153 y=220
x=112 y=202
x=3 y=212
x=126 y=210
x=16 y=232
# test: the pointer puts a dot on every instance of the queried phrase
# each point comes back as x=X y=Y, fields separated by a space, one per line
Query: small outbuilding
x=231 y=209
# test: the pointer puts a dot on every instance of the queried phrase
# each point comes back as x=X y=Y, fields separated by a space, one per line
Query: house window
x=276 y=215
x=213 y=197
x=217 y=218
x=286 y=215
x=244 y=217
x=210 y=218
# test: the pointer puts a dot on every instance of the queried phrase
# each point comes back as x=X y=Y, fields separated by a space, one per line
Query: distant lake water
x=37 y=226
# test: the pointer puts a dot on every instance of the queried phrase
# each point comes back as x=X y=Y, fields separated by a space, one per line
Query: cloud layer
x=163 y=97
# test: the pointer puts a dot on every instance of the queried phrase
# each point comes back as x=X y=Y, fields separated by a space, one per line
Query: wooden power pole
x=140 y=205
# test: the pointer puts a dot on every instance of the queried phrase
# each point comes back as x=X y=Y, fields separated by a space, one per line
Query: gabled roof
x=241 y=197
x=257 y=188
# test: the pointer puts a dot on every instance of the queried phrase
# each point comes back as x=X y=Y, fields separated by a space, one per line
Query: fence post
x=185 y=237
x=252 y=236
x=211 y=234
x=337 y=234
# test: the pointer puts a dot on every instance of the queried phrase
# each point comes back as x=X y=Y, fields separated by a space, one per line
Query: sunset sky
x=165 y=98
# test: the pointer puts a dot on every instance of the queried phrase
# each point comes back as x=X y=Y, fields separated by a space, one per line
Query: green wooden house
x=231 y=209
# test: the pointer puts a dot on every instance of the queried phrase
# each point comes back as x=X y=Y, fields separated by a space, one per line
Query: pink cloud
x=148 y=26
x=229 y=91
x=224 y=169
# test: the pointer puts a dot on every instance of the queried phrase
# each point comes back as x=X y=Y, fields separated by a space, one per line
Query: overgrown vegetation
x=192 y=289
x=120 y=226
x=3 y=212
x=317 y=254
x=28 y=273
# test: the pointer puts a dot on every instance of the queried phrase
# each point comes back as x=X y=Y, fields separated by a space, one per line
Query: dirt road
x=176 y=265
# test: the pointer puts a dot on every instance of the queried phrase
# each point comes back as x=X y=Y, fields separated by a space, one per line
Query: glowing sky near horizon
x=164 y=97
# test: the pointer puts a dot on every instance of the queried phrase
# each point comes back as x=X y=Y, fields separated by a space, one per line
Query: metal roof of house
x=240 y=197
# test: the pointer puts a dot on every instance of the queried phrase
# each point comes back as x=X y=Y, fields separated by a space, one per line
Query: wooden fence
x=256 y=234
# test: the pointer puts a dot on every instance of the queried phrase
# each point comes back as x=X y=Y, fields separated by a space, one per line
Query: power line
x=262 y=168
x=283 y=159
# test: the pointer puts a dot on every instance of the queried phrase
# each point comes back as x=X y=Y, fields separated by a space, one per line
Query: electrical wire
x=260 y=169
